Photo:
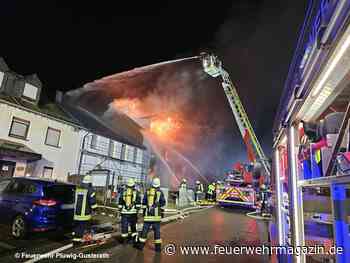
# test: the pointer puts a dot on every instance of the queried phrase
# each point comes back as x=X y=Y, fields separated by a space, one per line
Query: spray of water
x=156 y=150
x=181 y=156
x=145 y=69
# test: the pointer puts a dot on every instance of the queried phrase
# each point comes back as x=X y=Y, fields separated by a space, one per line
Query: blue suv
x=35 y=205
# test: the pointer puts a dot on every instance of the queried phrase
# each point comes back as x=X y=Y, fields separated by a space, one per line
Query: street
x=11 y=249
x=206 y=228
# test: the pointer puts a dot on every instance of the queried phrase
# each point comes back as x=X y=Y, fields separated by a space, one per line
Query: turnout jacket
x=153 y=203
x=199 y=188
x=129 y=201
x=85 y=202
x=211 y=189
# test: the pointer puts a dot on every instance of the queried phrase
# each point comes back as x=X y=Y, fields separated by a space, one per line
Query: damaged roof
x=122 y=128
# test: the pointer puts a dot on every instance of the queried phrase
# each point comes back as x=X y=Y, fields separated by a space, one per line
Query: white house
x=57 y=140
x=102 y=147
x=35 y=140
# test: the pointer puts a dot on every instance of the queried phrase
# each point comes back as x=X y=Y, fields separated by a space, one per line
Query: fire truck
x=240 y=188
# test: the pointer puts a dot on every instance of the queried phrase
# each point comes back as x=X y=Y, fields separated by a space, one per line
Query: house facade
x=102 y=148
x=122 y=160
x=35 y=140
x=56 y=140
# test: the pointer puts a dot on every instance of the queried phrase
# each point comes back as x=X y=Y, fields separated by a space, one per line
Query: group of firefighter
x=210 y=194
x=129 y=205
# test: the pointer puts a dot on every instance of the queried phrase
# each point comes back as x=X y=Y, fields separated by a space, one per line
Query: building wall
x=124 y=161
x=62 y=159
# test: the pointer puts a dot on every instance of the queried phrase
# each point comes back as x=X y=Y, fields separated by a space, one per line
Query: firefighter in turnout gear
x=183 y=184
x=85 y=203
x=198 y=191
x=129 y=204
x=210 y=192
x=264 y=209
x=153 y=203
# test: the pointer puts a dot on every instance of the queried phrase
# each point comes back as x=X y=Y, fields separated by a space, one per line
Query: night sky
x=70 y=43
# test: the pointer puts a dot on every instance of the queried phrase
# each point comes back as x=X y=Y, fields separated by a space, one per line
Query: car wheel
x=19 y=227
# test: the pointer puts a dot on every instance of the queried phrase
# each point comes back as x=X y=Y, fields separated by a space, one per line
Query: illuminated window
x=19 y=128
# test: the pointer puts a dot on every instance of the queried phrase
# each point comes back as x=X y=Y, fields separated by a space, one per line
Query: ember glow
x=165 y=125
x=128 y=106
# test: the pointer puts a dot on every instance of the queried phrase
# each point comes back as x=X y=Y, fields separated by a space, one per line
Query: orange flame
x=128 y=106
x=165 y=127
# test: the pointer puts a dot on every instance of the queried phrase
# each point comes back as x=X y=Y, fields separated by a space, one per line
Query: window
x=111 y=148
x=30 y=188
x=4 y=184
x=22 y=187
x=1 y=77
x=30 y=91
x=123 y=151
x=135 y=155
x=129 y=153
x=17 y=187
x=94 y=142
x=47 y=172
x=52 y=137
x=19 y=128
x=139 y=158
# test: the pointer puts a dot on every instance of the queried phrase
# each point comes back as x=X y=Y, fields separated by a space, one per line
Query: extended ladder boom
x=213 y=67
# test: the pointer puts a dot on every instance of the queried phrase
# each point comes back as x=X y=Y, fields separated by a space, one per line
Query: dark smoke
x=183 y=89
x=255 y=43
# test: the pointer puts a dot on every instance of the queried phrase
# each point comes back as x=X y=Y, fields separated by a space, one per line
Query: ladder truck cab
x=238 y=188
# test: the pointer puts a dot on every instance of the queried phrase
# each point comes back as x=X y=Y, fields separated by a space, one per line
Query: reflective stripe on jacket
x=211 y=189
x=153 y=202
x=129 y=201
x=199 y=188
x=183 y=185
x=85 y=201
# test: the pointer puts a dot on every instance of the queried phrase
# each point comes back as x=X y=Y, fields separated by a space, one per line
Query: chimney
x=59 y=96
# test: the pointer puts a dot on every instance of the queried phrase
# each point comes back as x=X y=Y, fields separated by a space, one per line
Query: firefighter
x=183 y=184
x=214 y=191
x=85 y=203
x=129 y=204
x=210 y=192
x=153 y=203
x=199 y=191
x=264 y=200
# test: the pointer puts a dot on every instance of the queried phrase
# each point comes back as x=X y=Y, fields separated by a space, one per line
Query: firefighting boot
x=139 y=245
x=158 y=248
x=134 y=238
x=122 y=240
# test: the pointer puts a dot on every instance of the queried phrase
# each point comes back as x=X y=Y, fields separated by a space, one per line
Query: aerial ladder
x=213 y=66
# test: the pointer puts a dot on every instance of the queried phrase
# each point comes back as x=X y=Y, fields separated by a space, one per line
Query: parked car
x=35 y=205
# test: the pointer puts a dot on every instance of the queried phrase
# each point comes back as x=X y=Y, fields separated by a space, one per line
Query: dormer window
x=30 y=91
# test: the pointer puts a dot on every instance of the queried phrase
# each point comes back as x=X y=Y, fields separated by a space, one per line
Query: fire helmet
x=87 y=179
x=131 y=182
x=156 y=182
